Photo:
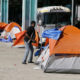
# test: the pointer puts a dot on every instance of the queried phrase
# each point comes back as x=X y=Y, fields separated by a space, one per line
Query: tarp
x=11 y=25
x=3 y=25
x=14 y=31
x=69 y=41
x=46 y=42
x=52 y=34
x=47 y=39
x=37 y=53
x=65 y=43
x=6 y=40
x=20 y=39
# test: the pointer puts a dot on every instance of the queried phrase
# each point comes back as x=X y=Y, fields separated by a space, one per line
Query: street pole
x=73 y=12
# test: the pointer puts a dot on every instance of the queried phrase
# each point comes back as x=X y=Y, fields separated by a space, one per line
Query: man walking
x=29 y=37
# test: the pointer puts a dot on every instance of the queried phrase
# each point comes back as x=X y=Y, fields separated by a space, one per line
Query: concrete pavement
x=11 y=67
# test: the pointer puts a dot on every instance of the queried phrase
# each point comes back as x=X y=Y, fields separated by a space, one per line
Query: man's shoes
x=30 y=62
x=24 y=63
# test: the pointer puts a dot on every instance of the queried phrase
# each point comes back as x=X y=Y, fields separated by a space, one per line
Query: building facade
x=24 y=11
x=21 y=11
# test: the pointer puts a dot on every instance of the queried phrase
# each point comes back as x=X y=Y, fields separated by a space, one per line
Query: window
x=54 y=18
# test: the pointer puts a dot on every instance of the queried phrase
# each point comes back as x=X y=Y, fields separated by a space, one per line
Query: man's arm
x=30 y=37
x=27 y=36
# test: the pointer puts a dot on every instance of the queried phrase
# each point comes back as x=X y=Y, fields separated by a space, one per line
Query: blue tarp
x=52 y=33
x=6 y=40
x=37 y=53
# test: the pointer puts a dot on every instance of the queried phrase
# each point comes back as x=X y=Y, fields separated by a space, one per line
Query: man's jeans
x=28 y=51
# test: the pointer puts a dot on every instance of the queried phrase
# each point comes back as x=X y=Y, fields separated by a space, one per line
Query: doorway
x=15 y=11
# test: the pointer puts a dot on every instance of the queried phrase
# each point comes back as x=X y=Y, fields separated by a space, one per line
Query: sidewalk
x=11 y=67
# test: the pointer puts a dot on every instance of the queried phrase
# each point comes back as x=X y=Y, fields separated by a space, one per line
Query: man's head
x=33 y=23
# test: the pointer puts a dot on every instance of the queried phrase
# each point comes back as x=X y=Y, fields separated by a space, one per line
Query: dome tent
x=64 y=56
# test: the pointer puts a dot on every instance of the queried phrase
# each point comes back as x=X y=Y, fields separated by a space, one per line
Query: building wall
x=0 y=10
x=4 y=11
x=29 y=11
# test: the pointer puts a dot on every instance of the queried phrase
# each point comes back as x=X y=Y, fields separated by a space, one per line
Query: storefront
x=20 y=11
x=23 y=11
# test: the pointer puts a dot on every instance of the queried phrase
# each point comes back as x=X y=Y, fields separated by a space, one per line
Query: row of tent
x=8 y=31
x=62 y=53
x=12 y=32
